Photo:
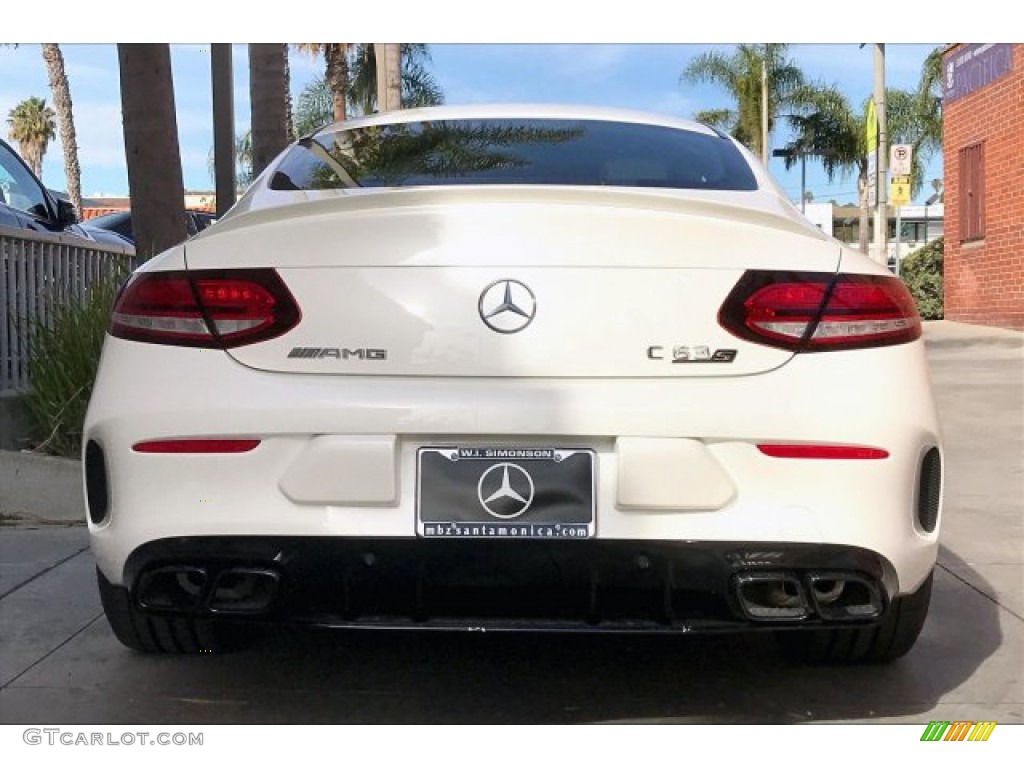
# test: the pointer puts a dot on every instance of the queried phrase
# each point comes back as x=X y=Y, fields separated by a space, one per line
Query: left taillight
x=204 y=308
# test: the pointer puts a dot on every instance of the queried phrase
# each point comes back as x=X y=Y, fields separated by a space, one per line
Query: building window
x=972 y=192
x=910 y=231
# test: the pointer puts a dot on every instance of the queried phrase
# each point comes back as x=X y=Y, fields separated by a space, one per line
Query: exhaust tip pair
x=785 y=596
x=190 y=589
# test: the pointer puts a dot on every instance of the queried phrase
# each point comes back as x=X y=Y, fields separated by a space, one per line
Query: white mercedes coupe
x=522 y=368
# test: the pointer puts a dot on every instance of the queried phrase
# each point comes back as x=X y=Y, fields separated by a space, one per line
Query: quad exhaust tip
x=770 y=596
x=243 y=591
x=172 y=588
x=784 y=596
x=191 y=589
x=839 y=596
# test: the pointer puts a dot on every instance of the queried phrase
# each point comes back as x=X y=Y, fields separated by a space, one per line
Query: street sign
x=899 y=159
x=872 y=180
x=871 y=126
x=899 y=191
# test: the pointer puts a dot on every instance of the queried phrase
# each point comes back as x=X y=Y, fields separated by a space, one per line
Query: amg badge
x=319 y=353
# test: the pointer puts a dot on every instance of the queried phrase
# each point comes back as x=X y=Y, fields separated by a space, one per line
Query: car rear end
x=520 y=406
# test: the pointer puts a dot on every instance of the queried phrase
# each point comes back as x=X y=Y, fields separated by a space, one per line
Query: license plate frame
x=505 y=492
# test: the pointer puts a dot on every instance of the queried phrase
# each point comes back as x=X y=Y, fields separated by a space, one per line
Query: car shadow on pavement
x=473 y=678
x=319 y=676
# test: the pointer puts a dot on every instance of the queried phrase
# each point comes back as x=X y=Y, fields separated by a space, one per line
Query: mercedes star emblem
x=505 y=490
x=507 y=306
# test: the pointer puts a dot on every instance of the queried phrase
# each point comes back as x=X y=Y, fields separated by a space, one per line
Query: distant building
x=983 y=157
x=200 y=201
x=97 y=206
x=919 y=225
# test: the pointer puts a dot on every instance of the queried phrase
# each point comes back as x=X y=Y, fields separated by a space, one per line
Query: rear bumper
x=593 y=585
x=874 y=398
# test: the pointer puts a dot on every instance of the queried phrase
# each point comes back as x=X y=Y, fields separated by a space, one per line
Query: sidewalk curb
x=44 y=488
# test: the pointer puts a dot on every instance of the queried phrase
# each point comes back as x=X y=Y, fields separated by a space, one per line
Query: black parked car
x=121 y=223
x=26 y=204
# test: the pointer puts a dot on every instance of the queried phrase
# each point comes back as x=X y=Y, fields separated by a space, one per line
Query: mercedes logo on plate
x=507 y=306
x=505 y=490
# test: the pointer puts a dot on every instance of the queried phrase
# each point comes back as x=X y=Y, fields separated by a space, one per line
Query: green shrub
x=922 y=272
x=62 y=366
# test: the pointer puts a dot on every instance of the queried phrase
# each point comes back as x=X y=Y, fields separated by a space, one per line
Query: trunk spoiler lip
x=760 y=207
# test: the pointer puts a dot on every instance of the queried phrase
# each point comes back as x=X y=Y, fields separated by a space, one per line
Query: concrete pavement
x=59 y=662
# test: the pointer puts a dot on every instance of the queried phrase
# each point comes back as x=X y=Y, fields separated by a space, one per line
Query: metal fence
x=38 y=272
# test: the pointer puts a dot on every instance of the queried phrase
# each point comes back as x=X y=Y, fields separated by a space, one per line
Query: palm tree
x=335 y=72
x=315 y=108
x=741 y=75
x=929 y=103
x=243 y=161
x=268 y=98
x=31 y=125
x=827 y=128
x=418 y=86
x=908 y=125
x=151 y=147
x=389 y=76
x=315 y=105
x=61 y=92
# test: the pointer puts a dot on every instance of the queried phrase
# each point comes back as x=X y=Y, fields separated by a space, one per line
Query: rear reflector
x=204 y=308
x=817 y=311
x=195 y=446
x=797 y=451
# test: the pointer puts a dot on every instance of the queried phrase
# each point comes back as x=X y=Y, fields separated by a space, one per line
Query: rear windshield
x=507 y=151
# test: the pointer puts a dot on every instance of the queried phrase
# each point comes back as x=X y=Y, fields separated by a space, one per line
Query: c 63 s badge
x=691 y=354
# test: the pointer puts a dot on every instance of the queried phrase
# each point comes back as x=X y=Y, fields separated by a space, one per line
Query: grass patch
x=62 y=367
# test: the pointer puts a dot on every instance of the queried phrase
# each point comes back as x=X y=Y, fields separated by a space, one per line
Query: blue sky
x=637 y=76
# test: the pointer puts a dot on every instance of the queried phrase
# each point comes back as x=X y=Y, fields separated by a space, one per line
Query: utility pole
x=881 y=205
x=764 y=108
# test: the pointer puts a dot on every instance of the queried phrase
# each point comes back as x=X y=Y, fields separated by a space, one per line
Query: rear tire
x=880 y=643
x=151 y=633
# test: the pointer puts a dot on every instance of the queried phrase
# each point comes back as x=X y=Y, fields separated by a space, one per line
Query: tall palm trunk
x=268 y=97
x=389 y=76
x=61 y=92
x=151 y=147
x=336 y=74
x=289 y=116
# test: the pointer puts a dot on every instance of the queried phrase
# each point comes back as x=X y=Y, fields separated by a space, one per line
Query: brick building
x=983 y=158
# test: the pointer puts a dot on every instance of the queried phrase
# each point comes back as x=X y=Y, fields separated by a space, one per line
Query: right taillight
x=204 y=308
x=817 y=311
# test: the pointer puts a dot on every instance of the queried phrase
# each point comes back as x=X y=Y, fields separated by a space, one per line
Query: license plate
x=513 y=493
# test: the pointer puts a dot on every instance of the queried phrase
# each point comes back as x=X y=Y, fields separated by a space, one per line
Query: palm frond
x=711 y=67
x=723 y=119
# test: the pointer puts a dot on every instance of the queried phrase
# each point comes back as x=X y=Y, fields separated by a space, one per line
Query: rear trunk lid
x=515 y=282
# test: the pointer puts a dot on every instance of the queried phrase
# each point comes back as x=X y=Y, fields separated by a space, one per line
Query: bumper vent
x=97 y=491
x=929 y=490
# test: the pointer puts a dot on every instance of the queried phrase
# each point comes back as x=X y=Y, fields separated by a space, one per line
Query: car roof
x=534 y=111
